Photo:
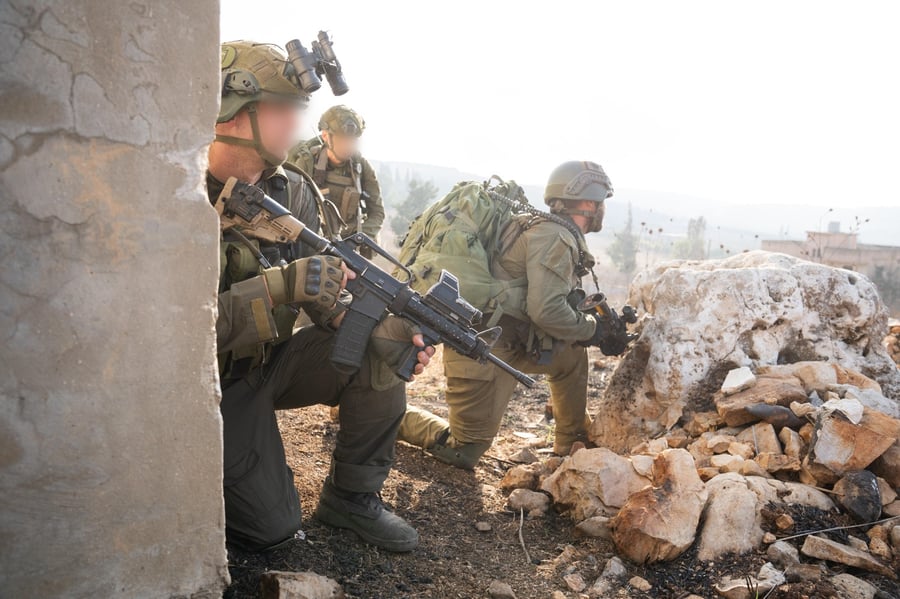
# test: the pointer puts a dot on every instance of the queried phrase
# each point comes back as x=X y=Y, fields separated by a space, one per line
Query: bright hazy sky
x=752 y=102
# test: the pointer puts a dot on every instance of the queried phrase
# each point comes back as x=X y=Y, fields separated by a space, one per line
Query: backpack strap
x=581 y=266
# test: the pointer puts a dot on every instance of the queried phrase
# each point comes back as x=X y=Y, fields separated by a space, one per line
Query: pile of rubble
x=833 y=446
x=764 y=391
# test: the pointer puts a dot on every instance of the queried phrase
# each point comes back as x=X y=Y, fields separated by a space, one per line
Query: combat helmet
x=253 y=72
x=578 y=181
x=342 y=120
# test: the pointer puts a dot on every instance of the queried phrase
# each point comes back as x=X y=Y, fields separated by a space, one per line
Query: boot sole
x=331 y=517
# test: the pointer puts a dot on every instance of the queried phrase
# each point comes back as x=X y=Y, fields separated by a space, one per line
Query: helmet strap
x=595 y=222
x=270 y=159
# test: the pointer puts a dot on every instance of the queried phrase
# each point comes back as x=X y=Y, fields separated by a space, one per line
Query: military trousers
x=261 y=503
x=478 y=396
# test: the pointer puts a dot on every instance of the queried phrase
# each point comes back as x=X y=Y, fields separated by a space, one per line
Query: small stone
x=752 y=468
x=724 y=461
x=519 y=477
x=777 y=416
x=500 y=590
x=888 y=465
x=738 y=379
x=859 y=493
x=290 y=585
x=783 y=554
x=851 y=587
x=614 y=568
x=677 y=439
x=707 y=473
x=482 y=526
x=778 y=462
x=784 y=522
x=888 y=494
x=769 y=538
x=524 y=456
x=822 y=548
x=613 y=572
x=843 y=447
x=643 y=465
x=792 y=443
x=761 y=436
x=803 y=409
x=736 y=588
x=880 y=548
x=564 y=559
x=880 y=531
x=641 y=584
x=815 y=474
x=655 y=446
x=558 y=595
x=805 y=572
x=857 y=543
x=806 y=432
x=895 y=538
x=596 y=526
x=719 y=443
x=892 y=509
x=851 y=408
x=701 y=422
x=530 y=501
x=744 y=450
x=575 y=582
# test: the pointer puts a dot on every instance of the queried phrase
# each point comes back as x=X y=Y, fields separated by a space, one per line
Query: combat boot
x=366 y=515
x=456 y=453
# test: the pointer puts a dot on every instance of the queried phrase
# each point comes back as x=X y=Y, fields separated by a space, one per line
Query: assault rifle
x=441 y=314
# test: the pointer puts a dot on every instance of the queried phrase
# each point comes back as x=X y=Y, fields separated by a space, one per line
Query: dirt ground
x=454 y=560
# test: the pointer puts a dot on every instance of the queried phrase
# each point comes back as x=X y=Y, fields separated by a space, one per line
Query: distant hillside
x=736 y=227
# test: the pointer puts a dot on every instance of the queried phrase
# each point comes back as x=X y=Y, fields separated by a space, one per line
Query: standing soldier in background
x=551 y=255
x=344 y=176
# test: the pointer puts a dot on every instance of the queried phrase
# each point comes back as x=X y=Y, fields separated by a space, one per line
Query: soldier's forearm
x=245 y=315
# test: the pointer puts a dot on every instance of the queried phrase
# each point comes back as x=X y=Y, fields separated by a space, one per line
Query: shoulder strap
x=329 y=216
x=320 y=166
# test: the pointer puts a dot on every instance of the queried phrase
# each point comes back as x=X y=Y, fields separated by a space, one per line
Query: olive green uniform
x=547 y=255
x=263 y=368
x=343 y=184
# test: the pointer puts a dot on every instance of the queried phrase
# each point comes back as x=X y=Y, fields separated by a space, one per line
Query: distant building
x=880 y=263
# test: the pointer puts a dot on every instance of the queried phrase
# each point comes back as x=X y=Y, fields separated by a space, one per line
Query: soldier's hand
x=317 y=280
x=391 y=339
x=613 y=346
x=610 y=341
x=423 y=356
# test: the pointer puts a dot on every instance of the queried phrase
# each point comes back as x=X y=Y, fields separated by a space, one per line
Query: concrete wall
x=110 y=435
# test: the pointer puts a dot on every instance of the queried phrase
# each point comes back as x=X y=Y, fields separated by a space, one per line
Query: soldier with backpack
x=524 y=269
